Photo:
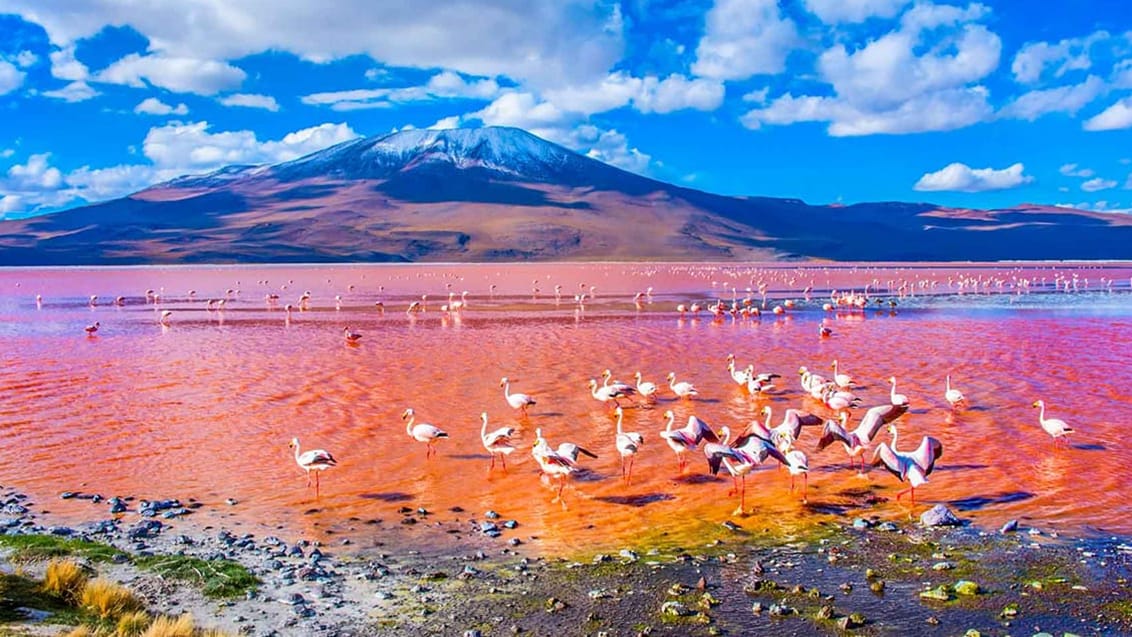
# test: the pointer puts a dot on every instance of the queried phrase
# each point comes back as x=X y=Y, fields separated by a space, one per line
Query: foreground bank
x=861 y=577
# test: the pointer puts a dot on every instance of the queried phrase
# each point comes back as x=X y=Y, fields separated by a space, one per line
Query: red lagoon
x=201 y=404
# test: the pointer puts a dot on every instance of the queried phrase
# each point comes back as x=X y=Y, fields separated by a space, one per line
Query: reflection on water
x=205 y=407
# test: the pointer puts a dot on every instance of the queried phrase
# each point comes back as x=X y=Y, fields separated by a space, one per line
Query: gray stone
x=939 y=515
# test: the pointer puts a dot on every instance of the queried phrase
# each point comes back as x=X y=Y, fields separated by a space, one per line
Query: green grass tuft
x=216 y=578
x=33 y=547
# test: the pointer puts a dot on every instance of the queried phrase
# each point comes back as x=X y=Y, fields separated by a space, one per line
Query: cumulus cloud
x=1073 y=170
x=446 y=123
x=922 y=76
x=35 y=175
x=1098 y=183
x=73 y=92
x=446 y=85
x=251 y=100
x=613 y=148
x=853 y=11
x=173 y=149
x=26 y=58
x=743 y=38
x=1063 y=99
x=649 y=94
x=154 y=106
x=1072 y=54
x=64 y=66
x=1117 y=116
x=959 y=177
x=10 y=77
x=543 y=42
x=177 y=74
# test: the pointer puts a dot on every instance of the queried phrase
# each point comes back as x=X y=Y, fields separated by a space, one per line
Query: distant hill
x=496 y=194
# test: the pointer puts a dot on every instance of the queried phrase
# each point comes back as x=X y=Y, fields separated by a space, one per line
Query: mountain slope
x=502 y=193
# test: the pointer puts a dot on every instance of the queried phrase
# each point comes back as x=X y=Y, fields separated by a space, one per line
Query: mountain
x=493 y=194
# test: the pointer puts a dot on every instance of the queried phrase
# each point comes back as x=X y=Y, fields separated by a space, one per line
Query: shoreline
x=864 y=576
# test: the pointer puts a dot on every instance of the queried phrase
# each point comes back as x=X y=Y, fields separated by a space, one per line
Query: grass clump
x=217 y=579
x=171 y=627
x=132 y=624
x=32 y=547
x=64 y=579
x=108 y=600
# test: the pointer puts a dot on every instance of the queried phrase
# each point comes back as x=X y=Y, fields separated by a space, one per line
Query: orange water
x=205 y=407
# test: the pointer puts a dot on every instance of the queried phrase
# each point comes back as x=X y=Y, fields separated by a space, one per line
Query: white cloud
x=251 y=100
x=446 y=85
x=938 y=111
x=1122 y=74
x=177 y=74
x=1072 y=170
x=1097 y=183
x=853 y=11
x=7 y=152
x=1117 y=116
x=64 y=66
x=26 y=58
x=543 y=42
x=73 y=92
x=959 y=177
x=189 y=147
x=523 y=110
x=174 y=149
x=613 y=148
x=1071 y=54
x=920 y=77
x=10 y=77
x=744 y=38
x=648 y=94
x=1063 y=99
x=35 y=175
x=446 y=123
x=154 y=106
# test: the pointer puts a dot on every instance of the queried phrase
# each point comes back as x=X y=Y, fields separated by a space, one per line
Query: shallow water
x=205 y=407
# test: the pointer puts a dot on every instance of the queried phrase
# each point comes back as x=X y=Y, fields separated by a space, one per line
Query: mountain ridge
x=496 y=193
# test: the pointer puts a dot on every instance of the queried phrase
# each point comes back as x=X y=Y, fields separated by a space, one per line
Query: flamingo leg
x=503 y=460
x=492 y=462
x=316 y=484
x=805 y=486
x=629 y=478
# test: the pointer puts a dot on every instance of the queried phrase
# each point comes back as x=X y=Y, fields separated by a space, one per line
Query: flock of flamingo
x=739 y=453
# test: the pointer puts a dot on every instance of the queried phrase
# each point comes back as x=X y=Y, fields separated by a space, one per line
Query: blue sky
x=967 y=104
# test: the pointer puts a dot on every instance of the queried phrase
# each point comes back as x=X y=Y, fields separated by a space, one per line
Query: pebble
x=861 y=523
x=939 y=515
x=491 y=515
x=887 y=526
x=1009 y=527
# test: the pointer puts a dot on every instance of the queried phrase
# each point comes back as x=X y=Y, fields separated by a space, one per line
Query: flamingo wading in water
x=497 y=442
x=628 y=444
x=687 y=438
x=1052 y=426
x=422 y=432
x=911 y=466
x=516 y=400
x=317 y=460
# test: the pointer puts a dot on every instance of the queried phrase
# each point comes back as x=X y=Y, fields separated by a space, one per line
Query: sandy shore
x=860 y=577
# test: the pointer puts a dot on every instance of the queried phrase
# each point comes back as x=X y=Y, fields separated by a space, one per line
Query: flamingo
x=812 y=383
x=749 y=451
x=1052 y=426
x=351 y=336
x=685 y=439
x=628 y=444
x=422 y=432
x=913 y=466
x=838 y=400
x=606 y=394
x=92 y=328
x=497 y=442
x=317 y=460
x=624 y=388
x=741 y=377
x=557 y=463
x=797 y=464
x=759 y=383
x=646 y=389
x=683 y=389
x=953 y=396
x=843 y=380
x=517 y=401
x=856 y=442
x=897 y=399
x=166 y=315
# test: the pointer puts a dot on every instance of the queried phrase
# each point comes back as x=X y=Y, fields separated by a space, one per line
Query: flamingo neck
x=671 y=420
x=483 y=427
x=409 y=424
x=1042 y=412
x=948 y=382
x=769 y=413
x=724 y=435
x=619 y=424
x=297 y=453
x=507 y=390
x=893 y=446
